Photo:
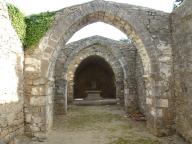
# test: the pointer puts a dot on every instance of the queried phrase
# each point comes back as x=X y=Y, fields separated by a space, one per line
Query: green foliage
x=30 y=29
x=18 y=21
x=37 y=26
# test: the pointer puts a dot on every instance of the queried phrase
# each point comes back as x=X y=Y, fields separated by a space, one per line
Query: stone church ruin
x=152 y=74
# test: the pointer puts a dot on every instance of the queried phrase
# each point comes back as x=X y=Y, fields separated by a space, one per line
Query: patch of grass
x=81 y=117
x=135 y=141
x=120 y=141
x=85 y=120
x=123 y=127
x=79 y=109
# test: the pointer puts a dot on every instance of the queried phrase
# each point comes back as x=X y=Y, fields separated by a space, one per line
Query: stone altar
x=93 y=95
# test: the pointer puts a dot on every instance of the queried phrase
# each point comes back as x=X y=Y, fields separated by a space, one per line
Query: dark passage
x=94 y=74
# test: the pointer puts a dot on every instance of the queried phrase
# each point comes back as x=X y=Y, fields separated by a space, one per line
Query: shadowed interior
x=94 y=73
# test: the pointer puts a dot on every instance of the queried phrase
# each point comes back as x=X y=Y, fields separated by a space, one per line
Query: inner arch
x=94 y=74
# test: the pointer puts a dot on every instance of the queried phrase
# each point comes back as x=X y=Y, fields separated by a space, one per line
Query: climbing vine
x=18 y=21
x=32 y=28
x=37 y=26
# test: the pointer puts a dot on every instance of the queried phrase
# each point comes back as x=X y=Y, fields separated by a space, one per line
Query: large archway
x=94 y=74
x=137 y=23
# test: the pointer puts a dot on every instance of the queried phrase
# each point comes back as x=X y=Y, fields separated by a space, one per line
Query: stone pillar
x=70 y=91
x=130 y=97
x=160 y=113
x=120 y=92
x=60 y=98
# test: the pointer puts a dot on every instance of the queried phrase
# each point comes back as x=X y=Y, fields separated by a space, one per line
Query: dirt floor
x=101 y=125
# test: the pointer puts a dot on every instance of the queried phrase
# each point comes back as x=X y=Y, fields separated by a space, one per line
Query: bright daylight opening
x=98 y=28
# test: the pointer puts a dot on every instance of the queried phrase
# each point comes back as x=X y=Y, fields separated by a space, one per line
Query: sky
x=29 y=7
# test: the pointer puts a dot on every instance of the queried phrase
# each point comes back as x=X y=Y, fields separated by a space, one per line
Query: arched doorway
x=94 y=79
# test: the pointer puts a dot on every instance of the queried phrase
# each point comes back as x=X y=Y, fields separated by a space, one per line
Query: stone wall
x=11 y=78
x=182 y=52
x=140 y=81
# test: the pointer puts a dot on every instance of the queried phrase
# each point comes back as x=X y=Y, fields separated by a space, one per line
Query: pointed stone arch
x=39 y=66
x=74 y=53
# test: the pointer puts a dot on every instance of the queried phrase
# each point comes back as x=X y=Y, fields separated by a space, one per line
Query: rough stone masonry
x=154 y=76
x=150 y=32
x=11 y=79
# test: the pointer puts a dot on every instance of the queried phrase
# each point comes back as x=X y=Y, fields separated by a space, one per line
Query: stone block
x=34 y=128
x=149 y=101
x=163 y=103
x=30 y=69
x=44 y=67
x=10 y=118
x=28 y=118
x=36 y=119
x=38 y=101
x=38 y=91
x=40 y=81
x=156 y=112
x=32 y=61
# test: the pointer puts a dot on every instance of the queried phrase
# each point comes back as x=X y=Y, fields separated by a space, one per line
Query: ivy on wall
x=32 y=28
x=18 y=21
x=37 y=26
